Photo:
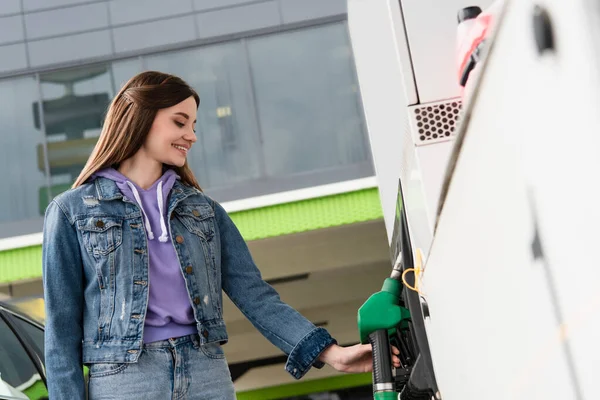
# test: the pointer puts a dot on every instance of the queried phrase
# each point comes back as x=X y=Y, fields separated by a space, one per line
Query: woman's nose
x=190 y=137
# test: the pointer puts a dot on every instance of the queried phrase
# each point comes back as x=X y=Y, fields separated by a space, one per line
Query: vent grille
x=435 y=122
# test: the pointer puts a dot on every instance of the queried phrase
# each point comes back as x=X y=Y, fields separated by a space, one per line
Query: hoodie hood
x=152 y=201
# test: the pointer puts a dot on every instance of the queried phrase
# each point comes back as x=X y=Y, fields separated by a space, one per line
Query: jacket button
x=100 y=224
x=196 y=300
x=205 y=333
x=188 y=269
x=196 y=213
x=179 y=239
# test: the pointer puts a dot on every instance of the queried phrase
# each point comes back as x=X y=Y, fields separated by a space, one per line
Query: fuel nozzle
x=397 y=271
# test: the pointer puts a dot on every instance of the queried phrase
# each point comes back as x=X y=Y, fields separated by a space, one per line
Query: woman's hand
x=353 y=359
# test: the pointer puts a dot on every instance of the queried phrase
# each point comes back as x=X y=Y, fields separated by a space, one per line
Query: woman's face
x=172 y=133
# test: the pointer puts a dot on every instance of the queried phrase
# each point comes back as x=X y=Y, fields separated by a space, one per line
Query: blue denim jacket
x=94 y=256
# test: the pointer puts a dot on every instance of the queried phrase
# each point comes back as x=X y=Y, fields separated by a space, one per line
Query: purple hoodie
x=170 y=312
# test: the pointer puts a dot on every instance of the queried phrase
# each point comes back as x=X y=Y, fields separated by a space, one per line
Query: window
x=74 y=104
x=21 y=153
x=307 y=100
x=226 y=151
x=277 y=112
x=16 y=368
x=122 y=71
x=36 y=335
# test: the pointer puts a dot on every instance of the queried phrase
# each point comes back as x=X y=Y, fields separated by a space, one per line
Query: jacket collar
x=179 y=192
x=107 y=189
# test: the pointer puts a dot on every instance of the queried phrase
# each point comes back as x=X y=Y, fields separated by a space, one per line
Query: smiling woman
x=168 y=141
x=149 y=113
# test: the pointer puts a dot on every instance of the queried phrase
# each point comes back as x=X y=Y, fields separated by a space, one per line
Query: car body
x=22 y=373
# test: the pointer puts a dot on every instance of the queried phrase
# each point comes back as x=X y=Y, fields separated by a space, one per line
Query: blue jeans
x=179 y=368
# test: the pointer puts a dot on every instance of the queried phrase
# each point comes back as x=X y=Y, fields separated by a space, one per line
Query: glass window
x=35 y=334
x=21 y=152
x=226 y=151
x=277 y=112
x=122 y=71
x=75 y=103
x=16 y=368
x=307 y=100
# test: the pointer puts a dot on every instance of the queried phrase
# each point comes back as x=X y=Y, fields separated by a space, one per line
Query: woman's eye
x=179 y=124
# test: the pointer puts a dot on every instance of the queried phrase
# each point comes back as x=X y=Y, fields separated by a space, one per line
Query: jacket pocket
x=198 y=219
x=101 y=235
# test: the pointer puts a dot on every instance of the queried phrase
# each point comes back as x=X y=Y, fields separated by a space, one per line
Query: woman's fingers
x=395 y=358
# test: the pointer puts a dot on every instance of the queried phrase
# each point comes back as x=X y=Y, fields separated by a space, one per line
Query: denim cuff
x=304 y=355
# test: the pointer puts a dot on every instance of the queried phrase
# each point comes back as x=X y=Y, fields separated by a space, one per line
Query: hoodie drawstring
x=159 y=196
x=139 y=201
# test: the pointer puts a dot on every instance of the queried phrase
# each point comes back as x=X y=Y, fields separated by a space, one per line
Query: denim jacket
x=94 y=256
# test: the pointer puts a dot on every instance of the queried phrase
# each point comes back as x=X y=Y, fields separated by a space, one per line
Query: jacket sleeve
x=62 y=273
x=282 y=325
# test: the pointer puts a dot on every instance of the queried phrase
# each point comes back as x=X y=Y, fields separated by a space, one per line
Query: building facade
x=280 y=108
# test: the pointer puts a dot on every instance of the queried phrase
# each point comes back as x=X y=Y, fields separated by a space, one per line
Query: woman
x=135 y=258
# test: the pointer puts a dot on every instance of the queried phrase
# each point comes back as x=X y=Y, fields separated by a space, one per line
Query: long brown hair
x=130 y=117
